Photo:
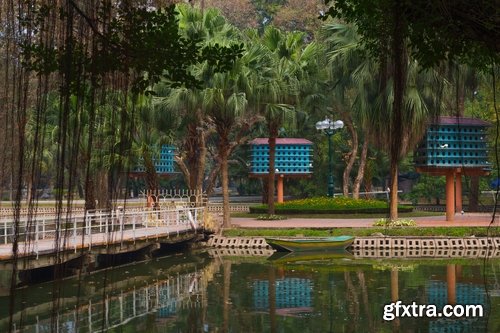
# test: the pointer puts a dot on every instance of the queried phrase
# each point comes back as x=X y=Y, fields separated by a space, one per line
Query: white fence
x=100 y=228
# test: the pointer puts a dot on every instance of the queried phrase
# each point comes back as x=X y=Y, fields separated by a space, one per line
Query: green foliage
x=139 y=41
x=429 y=188
x=436 y=31
x=396 y=223
x=325 y=205
x=271 y=217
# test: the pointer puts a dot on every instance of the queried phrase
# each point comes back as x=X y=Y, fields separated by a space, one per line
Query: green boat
x=310 y=244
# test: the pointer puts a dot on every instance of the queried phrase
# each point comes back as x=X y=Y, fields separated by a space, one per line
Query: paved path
x=466 y=220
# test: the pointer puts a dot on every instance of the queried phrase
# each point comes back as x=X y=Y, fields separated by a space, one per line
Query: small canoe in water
x=310 y=244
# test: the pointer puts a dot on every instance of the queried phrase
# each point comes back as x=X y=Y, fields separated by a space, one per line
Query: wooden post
x=458 y=192
x=450 y=195
x=451 y=282
x=280 y=188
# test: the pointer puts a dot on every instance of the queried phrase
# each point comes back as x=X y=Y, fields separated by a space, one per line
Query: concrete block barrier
x=456 y=253
x=399 y=243
x=357 y=243
x=471 y=253
x=486 y=242
x=496 y=241
x=413 y=252
x=372 y=247
x=369 y=243
x=428 y=252
x=442 y=243
x=457 y=243
x=383 y=243
x=471 y=243
x=428 y=243
x=413 y=243
x=442 y=253
x=399 y=253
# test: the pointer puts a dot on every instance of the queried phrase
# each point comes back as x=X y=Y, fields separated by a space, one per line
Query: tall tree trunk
x=225 y=192
x=103 y=199
x=352 y=157
x=367 y=177
x=200 y=172
x=273 y=134
x=393 y=206
x=193 y=165
x=151 y=175
x=223 y=152
x=474 y=194
x=361 y=169
x=265 y=191
x=396 y=125
x=90 y=194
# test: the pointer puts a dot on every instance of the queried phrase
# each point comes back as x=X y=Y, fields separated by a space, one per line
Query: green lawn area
x=404 y=231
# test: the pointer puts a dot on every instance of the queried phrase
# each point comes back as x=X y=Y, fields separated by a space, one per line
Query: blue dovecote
x=454 y=142
x=164 y=162
x=293 y=156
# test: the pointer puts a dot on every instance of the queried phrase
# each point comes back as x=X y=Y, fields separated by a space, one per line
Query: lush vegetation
x=97 y=99
x=326 y=205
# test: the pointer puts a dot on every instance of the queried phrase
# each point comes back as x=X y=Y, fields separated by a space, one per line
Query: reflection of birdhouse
x=293 y=156
x=454 y=142
x=163 y=161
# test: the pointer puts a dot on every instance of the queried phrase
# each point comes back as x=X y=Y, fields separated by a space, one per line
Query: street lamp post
x=328 y=127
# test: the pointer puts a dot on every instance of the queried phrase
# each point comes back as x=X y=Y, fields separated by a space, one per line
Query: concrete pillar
x=451 y=283
x=450 y=195
x=458 y=191
x=280 y=188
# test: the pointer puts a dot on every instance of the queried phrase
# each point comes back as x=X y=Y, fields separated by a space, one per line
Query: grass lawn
x=343 y=216
x=401 y=231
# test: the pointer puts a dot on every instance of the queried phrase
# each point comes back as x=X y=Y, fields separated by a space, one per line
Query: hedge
x=325 y=205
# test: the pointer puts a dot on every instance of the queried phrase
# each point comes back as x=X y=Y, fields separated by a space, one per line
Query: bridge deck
x=39 y=237
x=47 y=246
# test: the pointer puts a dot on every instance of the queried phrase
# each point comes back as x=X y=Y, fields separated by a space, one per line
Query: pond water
x=210 y=291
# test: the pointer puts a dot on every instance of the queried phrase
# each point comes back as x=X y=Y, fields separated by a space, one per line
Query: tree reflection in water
x=209 y=293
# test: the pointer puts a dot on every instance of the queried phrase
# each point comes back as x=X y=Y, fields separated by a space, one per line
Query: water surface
x=212 y=292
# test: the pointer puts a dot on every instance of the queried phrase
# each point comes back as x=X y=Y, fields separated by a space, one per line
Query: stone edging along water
x=391 y=247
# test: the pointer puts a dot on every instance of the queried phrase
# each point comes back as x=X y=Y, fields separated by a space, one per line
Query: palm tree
x=278 y=86
x=220 y=103
x=224 y=105
x=372 y=101
x=152 y=129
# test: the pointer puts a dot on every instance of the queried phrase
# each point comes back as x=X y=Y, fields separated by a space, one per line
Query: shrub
x=271 y=217
x=395 y=223
x=326 y=205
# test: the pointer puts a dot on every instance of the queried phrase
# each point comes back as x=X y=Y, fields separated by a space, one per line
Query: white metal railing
x=367 y=193
x=102 y=227
x=165 y=297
